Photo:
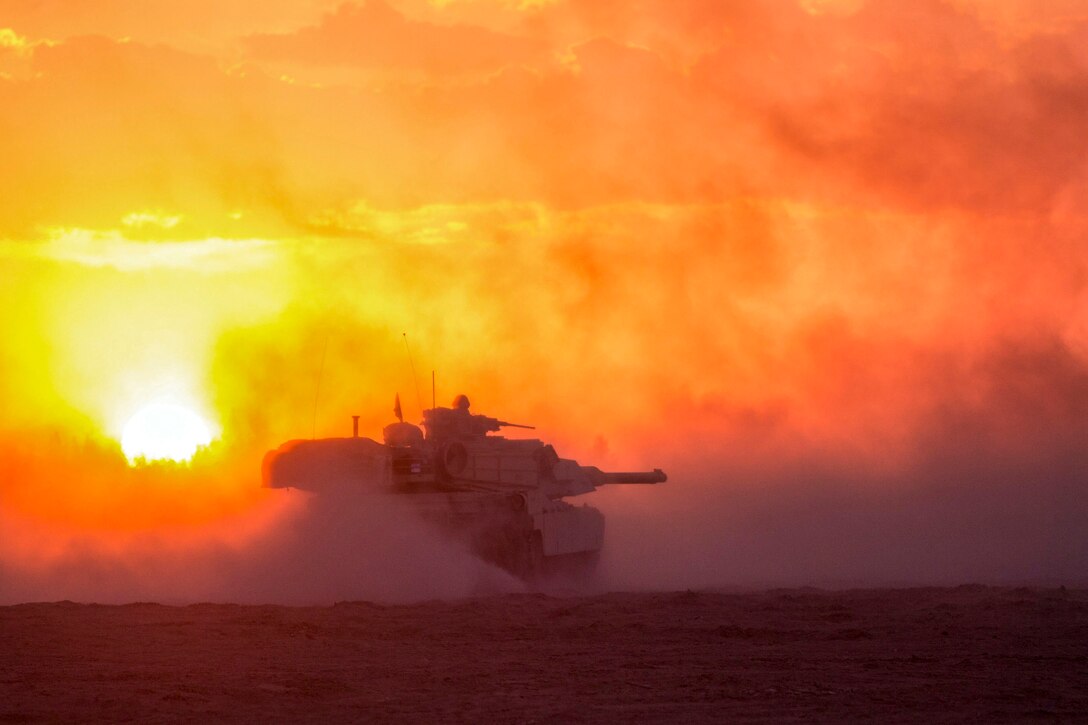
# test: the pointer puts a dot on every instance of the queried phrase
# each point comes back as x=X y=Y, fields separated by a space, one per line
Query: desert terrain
x=936 y=654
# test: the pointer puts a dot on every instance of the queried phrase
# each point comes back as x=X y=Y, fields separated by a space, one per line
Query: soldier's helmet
x=461 y=402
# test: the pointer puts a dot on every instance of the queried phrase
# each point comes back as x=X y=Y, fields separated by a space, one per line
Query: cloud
x=11 y=42
x=205 y=25
x=961 y=119
x=374 y=35
x=209 y=255
x=829 y=109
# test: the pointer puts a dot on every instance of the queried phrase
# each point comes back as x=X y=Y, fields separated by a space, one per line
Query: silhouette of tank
x=504 y=496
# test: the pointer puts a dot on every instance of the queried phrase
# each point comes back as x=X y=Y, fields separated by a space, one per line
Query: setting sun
x=159 y=432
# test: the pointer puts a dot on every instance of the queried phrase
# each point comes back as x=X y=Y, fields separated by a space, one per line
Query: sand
x=966 y=653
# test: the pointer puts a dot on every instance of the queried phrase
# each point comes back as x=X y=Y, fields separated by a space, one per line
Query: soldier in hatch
x=457 y=423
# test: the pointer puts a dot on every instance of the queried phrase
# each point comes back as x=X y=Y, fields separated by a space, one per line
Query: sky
x=824 y=261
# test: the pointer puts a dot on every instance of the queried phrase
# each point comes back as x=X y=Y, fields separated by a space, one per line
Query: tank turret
x=506 y=495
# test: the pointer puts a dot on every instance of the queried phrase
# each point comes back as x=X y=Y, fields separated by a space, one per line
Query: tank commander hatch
x=457 y=423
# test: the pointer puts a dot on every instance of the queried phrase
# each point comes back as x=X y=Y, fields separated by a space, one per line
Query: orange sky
x=661 y=231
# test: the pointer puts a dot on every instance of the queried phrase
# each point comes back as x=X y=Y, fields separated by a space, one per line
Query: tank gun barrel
x=598 y=477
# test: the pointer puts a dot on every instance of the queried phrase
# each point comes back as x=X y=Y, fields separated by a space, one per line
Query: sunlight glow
x=159 y=432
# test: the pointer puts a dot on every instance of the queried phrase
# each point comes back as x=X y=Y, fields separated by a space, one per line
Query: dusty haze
x=823 y=261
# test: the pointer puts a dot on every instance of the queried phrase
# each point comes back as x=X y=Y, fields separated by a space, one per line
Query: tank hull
x=525 y=537
x=515 y=527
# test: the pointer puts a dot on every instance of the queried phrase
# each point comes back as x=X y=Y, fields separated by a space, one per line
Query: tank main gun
x=599 y=478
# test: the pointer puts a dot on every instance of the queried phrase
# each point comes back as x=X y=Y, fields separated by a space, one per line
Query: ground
x=965 y=653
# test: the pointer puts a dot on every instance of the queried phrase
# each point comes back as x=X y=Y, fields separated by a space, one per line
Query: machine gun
x=482 y=422
x=454 y=423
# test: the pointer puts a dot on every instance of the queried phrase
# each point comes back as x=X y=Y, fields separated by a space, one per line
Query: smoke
x=812 y=526
x=991 y=490
x=306 y=551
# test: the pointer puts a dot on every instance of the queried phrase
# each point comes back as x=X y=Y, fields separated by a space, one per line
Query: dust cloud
x=309 y=551
x=987 y=488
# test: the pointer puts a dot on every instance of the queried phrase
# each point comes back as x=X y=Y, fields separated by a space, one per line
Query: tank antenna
x=317 y=388
x=415 y=380
x=432 y=390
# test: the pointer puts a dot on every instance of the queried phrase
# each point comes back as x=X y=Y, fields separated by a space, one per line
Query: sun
x=164 y=432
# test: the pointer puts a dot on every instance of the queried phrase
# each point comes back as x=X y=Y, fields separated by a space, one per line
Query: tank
x=505 y=497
